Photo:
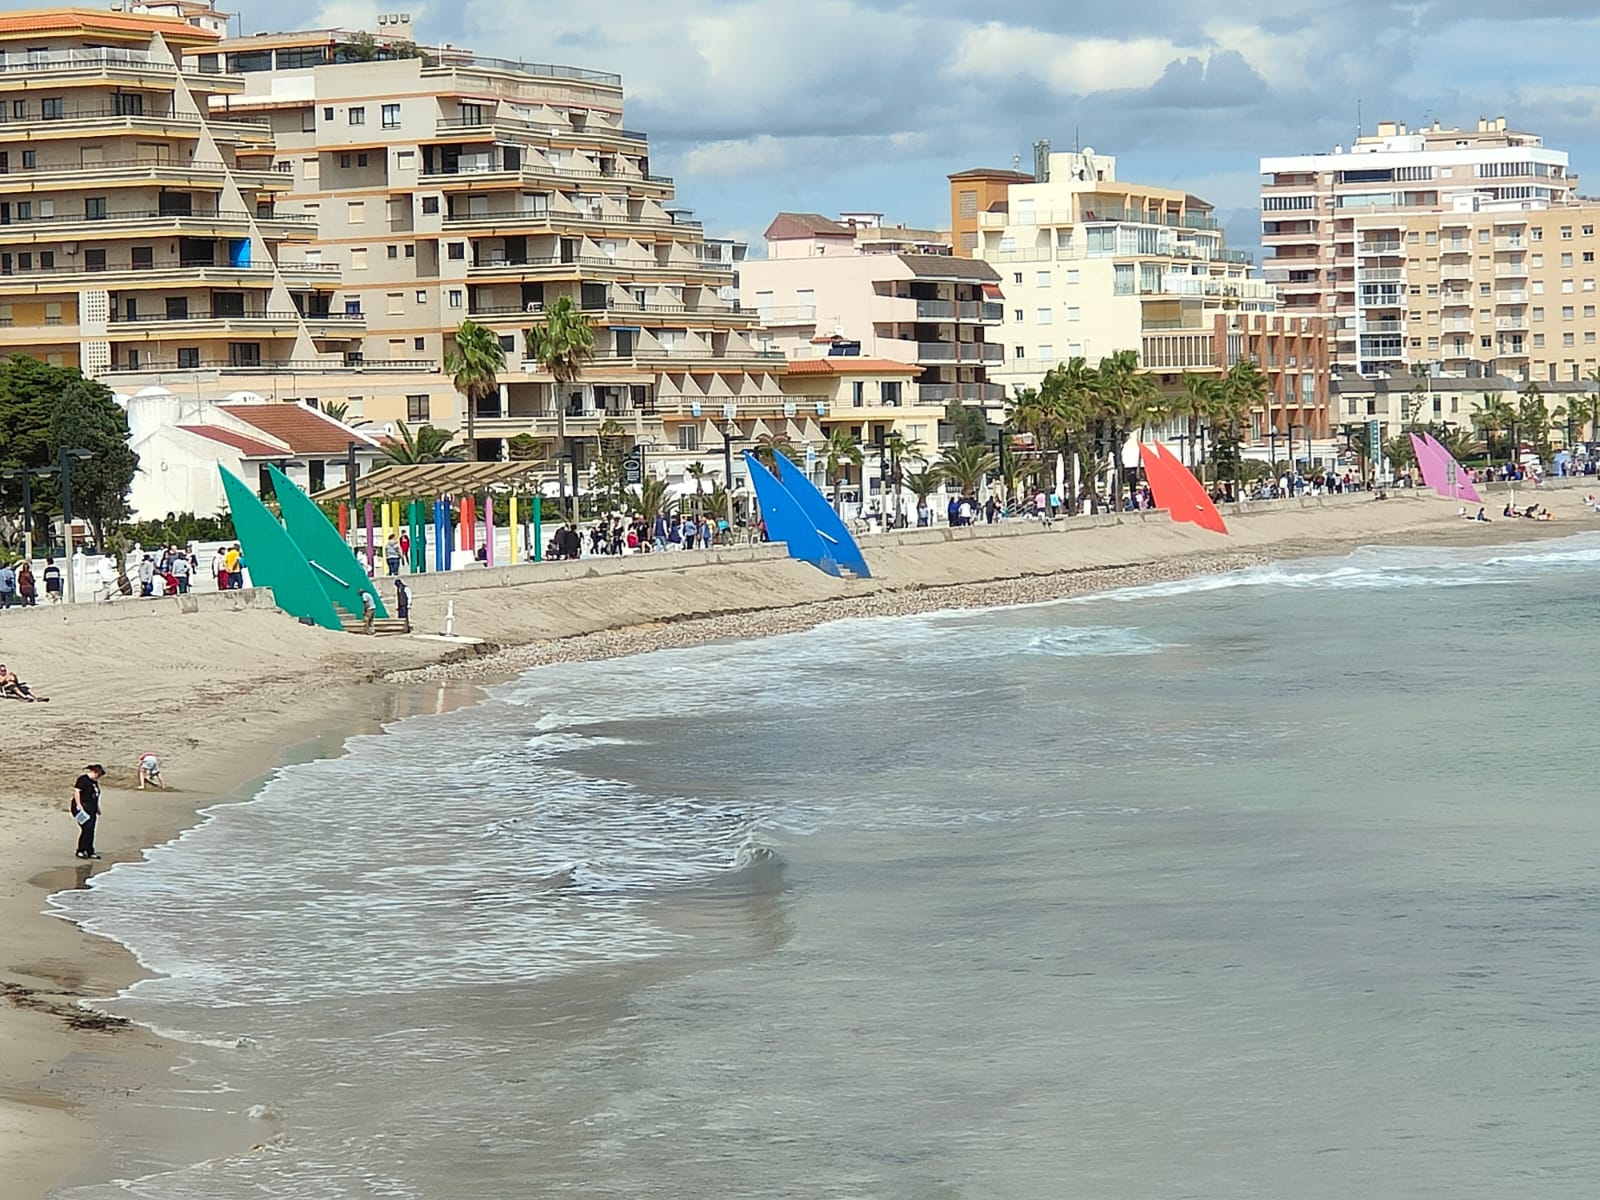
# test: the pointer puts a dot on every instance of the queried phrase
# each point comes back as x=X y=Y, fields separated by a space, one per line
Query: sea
x=1284 y=882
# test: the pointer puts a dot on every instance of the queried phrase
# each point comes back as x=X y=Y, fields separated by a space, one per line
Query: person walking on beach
x=402 y=601
x=86 y=807
x=391 y=555
x=8 y=585
x=147 y=577
x=369 y=610
x=27 y=589
x=52 y=581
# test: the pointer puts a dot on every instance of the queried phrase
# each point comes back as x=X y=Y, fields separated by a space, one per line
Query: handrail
x=248 y=315
x=112 y=165
x=148 y=215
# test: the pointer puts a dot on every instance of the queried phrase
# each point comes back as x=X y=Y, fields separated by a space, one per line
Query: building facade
x=826 y=289
x=1467 y=250
x=141 y=222
x=1091 y=265
x=972 y=193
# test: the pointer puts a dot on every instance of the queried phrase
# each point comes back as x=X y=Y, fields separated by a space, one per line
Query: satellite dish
x=838 y=331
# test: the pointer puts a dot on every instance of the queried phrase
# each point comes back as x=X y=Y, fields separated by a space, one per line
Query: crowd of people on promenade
x=635 y=534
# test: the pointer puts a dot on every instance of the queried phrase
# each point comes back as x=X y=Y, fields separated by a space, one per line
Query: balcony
x=1383 y=327
x=1455 y=247
x=1510 y=243
x=1512 y=322
x=1368 y=249
x=1177 y=351
x=122 y=224
x=1512 y=297
x=286 y=366
x=523 y=220
x=250 y=321
x=1513 y=270
x=142 y=170
x=1458 y=326
x=1382 y=275
x=963 y=352
x=1456 y=299
x=1462 y=271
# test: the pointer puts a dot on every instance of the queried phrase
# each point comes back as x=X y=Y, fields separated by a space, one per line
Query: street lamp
x=1293 y=466
x=64 y=466
x=26 y=474
x=730 y=434
x=1272 y=449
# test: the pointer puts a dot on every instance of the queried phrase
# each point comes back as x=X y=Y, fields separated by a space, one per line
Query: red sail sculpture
x=1177 y=490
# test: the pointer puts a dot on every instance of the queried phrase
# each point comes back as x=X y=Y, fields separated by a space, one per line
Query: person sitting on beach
x=150 y=772
x=1480 y=516
x=1508 y=511
x=12 y=688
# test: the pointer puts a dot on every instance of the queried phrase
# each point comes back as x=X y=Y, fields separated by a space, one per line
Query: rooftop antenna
x=1077 y=142
x=1358 y=118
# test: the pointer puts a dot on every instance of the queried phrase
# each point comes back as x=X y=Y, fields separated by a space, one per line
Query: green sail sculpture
x=273 y=560
x=332 y=561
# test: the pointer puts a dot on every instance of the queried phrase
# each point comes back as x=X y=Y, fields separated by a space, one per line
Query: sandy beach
x=226 y=691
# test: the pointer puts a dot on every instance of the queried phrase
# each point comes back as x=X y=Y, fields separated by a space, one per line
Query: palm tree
x=1198 y=402
x=924 y=483
x=429 y=444
x=1124 y=397
x=1064 y=400
x=769 y=445
x=901 y=450
x=650 y=499
x=697 y=472
x=966 y=467
x=561 y=344
x=1492 y=417
x=474 y=363
x=1240 y=392
x=337 y=409
x=841 y=452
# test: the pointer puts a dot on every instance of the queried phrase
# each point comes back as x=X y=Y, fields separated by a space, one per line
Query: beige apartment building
x=141 y=227
x=1091 y=265
x=1467 y=250
x=835 y=289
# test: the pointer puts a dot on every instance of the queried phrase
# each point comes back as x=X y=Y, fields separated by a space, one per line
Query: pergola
x=404 y=482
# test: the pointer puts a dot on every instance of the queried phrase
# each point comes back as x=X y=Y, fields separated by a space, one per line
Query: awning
x=627 y=328
x=992 y=291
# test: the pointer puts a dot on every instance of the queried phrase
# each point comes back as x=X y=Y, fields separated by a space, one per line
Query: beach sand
x=225 y=696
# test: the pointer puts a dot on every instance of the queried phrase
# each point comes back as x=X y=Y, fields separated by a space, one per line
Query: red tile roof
x=849 y=364
x=787 y=225
x=93 y=21
x=302 y=428
x=251 y=447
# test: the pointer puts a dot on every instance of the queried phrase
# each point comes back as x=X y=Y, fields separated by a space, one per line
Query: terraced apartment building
x=140 y=226
x=445 y=185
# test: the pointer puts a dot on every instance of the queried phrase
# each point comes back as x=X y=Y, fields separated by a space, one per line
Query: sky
x=757 y=106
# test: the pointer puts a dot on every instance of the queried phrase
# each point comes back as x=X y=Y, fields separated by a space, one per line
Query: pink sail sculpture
x=1430 y=467
x=1454 y=481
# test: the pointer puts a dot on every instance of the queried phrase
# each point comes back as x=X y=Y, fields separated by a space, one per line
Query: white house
x=181 y=443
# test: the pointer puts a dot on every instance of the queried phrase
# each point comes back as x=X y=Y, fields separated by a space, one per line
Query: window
x=1433 y=237
x=1042 y=316
x=1486 y=343
x=1483 y=289
x=1536 y=260
x=430 y=204
x=1588 y=231
x=422 y=296
x=244 y=354
x=1072 y=276
x=1538 y=341
x=391 y=116
x=455 y=298
x=188 y=356
x=1412 y=236
x=1074 y=313
x=1538 y=287
x=890 y=392
x=968 y=204
x=417 y=408
x=358 y=258
x=1566 y=285
x=52 y=109
x=1483 y=237
x=30 y=158
x=419 y=343
x=1567 y=312
x=688 y=437
x=327 y=114
x=1588 y=256
x=1016 y=277
x=1536 y=234
x=1588 y=311
x=311 y=168
x=308 y=121
x=1588 y=285
x=858 y=393
x=1566 y=233
x=1566 y=258
x=411 y=251
x=456 y=251
x=47 y=260
x=358 y=115
x=94 y=208
x=1538 y=314
x=397 y=304
x=394 y=251
x=1018 y=315
x=1019 y=352
x=1568 y=339
x=405 y=160
x=1047 y=353
x=1042 y=279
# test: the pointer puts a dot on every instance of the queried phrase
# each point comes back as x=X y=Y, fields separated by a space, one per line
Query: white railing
x=47 y=60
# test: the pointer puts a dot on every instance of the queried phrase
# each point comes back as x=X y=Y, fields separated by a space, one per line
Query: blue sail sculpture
x=790 y=508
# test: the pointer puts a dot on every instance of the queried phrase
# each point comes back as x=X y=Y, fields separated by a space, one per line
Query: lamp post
x=1272 y=450
x=64 y=466
x=1294 y=467
x=26 y=474
x=730 y=434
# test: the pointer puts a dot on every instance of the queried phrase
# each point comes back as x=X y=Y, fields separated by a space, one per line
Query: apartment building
x=446 y=185
x=826 y=289
x=141 y=227
x=972 y=193
x=1468 y=250
x=1091 y=265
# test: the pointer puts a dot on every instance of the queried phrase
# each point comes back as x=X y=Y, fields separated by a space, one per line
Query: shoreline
x=47 y=978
